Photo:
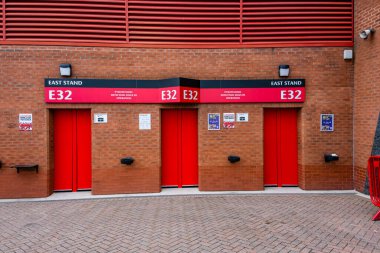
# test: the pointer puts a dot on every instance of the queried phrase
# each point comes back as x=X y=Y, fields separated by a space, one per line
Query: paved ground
x=256 y=223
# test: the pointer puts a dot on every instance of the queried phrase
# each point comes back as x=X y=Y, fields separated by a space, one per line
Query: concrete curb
x=86 y=195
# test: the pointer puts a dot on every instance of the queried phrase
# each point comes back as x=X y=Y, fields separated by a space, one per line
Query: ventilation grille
x=1 y=20
x=179 y=22
x=297 y=21
x=215 y=22
x=66 y=20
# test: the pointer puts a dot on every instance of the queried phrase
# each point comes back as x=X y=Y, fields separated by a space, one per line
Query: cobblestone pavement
x=224 y=223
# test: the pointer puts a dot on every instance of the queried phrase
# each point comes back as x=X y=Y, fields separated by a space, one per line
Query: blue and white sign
x=100 y=118
x=327 y=122
x=213 y=121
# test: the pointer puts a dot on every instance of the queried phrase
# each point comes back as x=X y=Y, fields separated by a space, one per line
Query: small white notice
x=242 y=117
x=144 y=121
x=25 y=121
x=229 y=117
x=100 y=117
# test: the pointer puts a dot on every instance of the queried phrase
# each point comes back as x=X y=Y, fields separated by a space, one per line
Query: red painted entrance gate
x=72 y=150
x=179 y=135
x=280 y=147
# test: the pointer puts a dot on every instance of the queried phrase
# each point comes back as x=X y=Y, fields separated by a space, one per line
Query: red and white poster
x=229 y=120
x=25 y=121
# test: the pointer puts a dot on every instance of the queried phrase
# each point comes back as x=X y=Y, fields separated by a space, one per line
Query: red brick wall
x=120 y=138
x=366 y=94
x=245 y=140
x=329 y=85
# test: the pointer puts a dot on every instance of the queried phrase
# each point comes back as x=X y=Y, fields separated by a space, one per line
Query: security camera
x=365 y=33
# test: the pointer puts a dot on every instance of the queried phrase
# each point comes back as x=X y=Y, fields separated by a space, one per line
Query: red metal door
x=170 y=147
x=280 y=147
x=270 y=147
x=288 y=147
x=179 y=140
x=189 y=147
x=63 y=150
x=83 y=137
x=72 y=150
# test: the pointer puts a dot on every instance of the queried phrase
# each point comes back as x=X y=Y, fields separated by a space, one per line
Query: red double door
x=179 y=151
x=280 y=147
x=72 y=150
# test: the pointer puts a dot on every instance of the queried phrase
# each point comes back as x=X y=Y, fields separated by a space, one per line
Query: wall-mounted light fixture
x=283 y=70
x=65 y=70
x=365 y=33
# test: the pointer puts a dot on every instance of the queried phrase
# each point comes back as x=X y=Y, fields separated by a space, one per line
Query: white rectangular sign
x=229 y=117
x=242 y=117
x=144 y=121
x=25 y=121
x=100 y=117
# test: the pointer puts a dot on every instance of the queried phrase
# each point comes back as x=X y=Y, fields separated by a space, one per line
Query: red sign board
x=177 y=90
x=249 y=95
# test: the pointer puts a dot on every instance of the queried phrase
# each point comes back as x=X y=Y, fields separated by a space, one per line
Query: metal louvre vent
x=179 y=21
x=1 y=20
x=187 y=23
x=320 y=21
x=66 y=20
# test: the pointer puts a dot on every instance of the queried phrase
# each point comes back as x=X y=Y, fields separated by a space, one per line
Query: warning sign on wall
x=25 y=121
x=213 y=121
x=145 y=121
x=229 y=120
x=327 y=122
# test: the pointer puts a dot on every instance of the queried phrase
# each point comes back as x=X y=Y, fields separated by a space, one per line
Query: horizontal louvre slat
x=303 y=38
x=303 y=18
x=74 y=25
x=183 y=22
x=82 y=40
x=64 y=35
x=184 y=3
x=302 y=14
x=62 y=20
x=85 y=31
x=297 y=3
x=37 y=11
x=180 y=38
x=68 y=21
x=297 y=21
x=208 y=24
x=300 y=33
x=198 y=28
x=305 y=27
x=181 y=33
x=81 y=4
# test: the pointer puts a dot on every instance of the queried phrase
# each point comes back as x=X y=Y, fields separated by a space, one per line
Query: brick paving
x=225 y=223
